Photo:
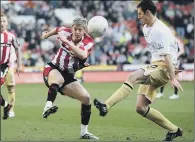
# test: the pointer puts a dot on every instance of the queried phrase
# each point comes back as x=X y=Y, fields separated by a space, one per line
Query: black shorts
x=68 y=77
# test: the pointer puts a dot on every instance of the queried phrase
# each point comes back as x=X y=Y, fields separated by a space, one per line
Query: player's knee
x=54 y=88
x=59 y=81
x=141 y=109
x=132 y=78
x=86 y=99
x=136 y=77
x=11 y=89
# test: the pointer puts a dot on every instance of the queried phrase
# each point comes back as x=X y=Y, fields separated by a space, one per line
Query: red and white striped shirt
x=8 y=41
x=64 y=59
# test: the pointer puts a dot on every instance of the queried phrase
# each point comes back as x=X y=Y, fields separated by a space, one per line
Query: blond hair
x=80 y=21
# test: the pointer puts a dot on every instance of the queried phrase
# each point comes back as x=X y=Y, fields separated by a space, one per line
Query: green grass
x=121 y=122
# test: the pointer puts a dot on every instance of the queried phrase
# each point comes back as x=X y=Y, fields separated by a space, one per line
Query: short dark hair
x=147 y=5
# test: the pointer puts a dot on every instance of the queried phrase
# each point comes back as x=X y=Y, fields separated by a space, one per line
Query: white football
x=97 y=26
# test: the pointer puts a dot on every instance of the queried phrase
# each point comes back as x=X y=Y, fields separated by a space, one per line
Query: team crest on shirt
x=159 y=46
x=151 y=45
x=154 y=46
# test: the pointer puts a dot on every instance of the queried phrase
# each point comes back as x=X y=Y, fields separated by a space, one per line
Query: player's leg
x=161 y=92
x=54 y=81
x=175 y=95
x=124 y=91
x=6 y=106
x=77 y=91
x=142 y=107
x=147 y=94
x=10 y=84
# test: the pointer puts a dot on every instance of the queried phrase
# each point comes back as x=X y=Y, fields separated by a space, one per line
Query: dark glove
x=79 y=66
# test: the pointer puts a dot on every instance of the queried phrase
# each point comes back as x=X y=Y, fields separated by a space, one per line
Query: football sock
x=85 y=117
x=84 y=129
x=85 y=114
x=162 y=89
x=158 y=118
x=119 y=95
x=6 y=103
x=48 y=104
x=175 y=91
x=52 y=93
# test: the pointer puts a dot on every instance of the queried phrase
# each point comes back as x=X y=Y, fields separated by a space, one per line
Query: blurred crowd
x=123 y=42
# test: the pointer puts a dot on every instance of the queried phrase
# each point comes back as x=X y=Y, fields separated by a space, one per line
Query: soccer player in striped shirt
x=58 y=74
x=9 y=42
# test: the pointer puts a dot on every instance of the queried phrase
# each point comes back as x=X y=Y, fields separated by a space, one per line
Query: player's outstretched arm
x=79 y=52
x=52 y=32
x=47 y=34
x=171 y=71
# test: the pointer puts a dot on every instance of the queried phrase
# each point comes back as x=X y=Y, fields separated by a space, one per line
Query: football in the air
x=97 y=26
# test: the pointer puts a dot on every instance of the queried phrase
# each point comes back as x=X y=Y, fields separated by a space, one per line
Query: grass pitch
x=121 y=122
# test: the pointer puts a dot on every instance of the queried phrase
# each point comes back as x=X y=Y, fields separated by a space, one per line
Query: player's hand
x=18 y=69
x=44 y=35
x=177 y=71
x=83 y=65
x=62 y=38
x=175 y=83
x=86 y=65
x=79 y=66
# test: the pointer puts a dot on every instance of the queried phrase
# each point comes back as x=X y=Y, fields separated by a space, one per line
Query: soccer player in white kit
x=8 y=42
x=162 y=45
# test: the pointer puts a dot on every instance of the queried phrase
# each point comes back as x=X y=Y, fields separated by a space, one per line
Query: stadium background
x=121 y=50
x=122 y=46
